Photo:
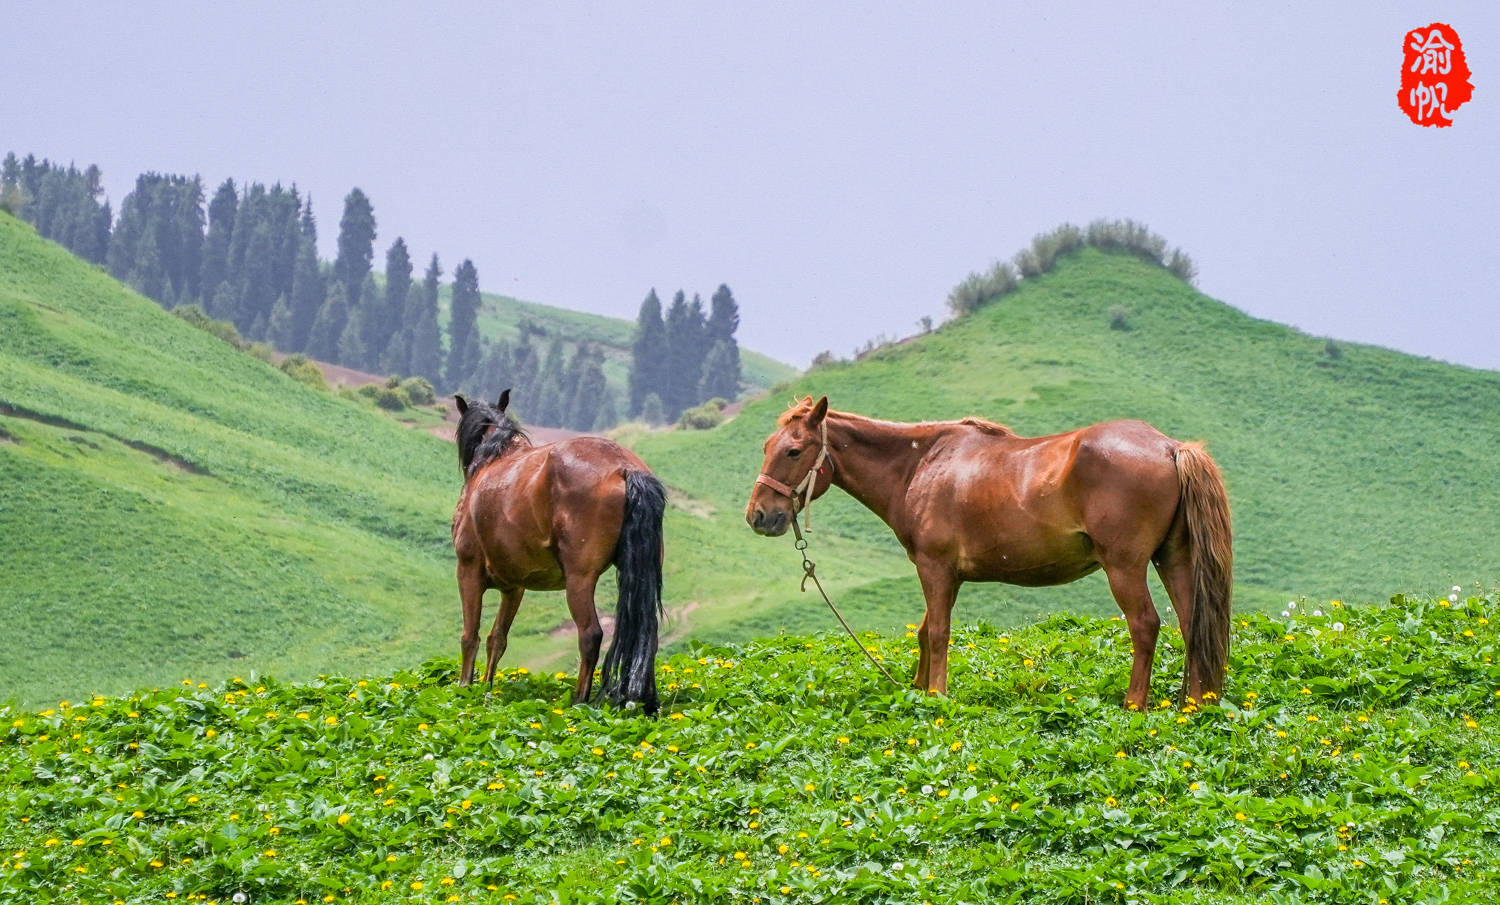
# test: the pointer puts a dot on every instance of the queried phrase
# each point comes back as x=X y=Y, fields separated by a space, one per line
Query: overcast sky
x=840 y=166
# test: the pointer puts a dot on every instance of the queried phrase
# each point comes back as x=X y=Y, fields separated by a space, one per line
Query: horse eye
x=793 y=453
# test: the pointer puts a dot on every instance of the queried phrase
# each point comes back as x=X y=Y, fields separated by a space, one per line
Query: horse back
x=536 y=510
x=1032 y=510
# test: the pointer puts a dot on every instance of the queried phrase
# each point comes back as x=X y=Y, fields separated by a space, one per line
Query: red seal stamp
x=1434 y=75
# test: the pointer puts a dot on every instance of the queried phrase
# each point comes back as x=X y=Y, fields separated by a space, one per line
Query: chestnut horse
x=544 y=518
x=971 y=501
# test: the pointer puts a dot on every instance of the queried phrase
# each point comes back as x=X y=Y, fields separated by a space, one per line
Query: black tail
x=629 y=672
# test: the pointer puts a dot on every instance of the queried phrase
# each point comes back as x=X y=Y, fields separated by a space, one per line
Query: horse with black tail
x=555 y=517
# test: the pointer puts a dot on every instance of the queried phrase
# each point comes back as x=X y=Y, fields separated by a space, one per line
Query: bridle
x=804 y=488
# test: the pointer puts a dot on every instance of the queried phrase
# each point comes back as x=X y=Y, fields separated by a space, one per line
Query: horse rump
x=629 y=671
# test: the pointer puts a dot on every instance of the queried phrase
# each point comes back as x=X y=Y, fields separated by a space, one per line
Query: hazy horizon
x=840 y=167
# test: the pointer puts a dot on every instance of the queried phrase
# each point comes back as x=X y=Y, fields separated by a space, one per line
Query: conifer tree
x=524 y=370
x=328 y=326
x=586 y=388
x=356 y=246
x=550 y=401
x=282 y=325
x=424 y=353
x=221 y=211
x=493 y=373
x=386 y=313
x=463 y=331
x=221 y=305
x=308 y=290
x=608 y=415
x=652 y=411
x=351 y=347
x=721 y=377
x=685 y=351
x=648 y=353
x=395 y=357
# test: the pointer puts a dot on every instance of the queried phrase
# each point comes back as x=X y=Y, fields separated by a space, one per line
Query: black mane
x=484 y=434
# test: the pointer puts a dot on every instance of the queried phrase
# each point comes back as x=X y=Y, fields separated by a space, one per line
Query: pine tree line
x=251 y=258
x=684 y=357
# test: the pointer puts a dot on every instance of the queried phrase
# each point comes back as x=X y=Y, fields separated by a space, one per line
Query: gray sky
x=840 y=166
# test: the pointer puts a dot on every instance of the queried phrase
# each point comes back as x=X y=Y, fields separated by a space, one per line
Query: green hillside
x=1352 y=470
x=169 y=505
x=1355 y=759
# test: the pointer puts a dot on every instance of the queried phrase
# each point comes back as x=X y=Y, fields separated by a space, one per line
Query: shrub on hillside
x=702 y=417
x=1182 y=266
x=980 y=289
x=301 y=369
x=222 y=329
x=419 y=390
x=1119 y=318
x=822 y=360
x=391 y=398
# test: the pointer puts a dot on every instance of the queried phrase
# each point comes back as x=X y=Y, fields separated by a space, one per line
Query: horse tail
x=1205 y=504
x=629 y=672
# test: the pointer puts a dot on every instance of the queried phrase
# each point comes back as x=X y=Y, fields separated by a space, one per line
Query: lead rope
x=808 y=567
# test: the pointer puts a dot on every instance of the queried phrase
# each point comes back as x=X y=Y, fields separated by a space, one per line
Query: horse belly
x=1033 y=554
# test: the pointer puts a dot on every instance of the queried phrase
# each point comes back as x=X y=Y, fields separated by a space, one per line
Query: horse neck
x=874 y=461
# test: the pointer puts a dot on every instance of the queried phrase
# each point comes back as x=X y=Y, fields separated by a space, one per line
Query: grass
x=1355 y=758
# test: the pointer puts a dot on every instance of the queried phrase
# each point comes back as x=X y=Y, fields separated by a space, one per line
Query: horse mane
x=799 y=409
x=987 y=427
x=484 y=434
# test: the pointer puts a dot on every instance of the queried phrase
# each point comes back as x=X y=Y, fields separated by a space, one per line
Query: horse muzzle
x=768 y=524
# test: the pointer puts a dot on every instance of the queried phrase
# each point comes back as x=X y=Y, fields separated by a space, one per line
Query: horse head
x=484 y=431
x=794 y=470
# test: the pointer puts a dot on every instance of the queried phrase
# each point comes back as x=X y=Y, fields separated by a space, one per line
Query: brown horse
x=971 y=501
x=544 y=518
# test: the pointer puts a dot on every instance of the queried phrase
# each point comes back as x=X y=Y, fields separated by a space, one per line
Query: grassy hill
x=1352 y=470
x=168 y=504
x=1355 y=759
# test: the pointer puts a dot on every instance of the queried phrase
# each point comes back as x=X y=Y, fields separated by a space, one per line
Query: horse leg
x=580 y=591
x=1176 y=571
x=1128 y=584
x=920 y=679
x=495 y=644
x=471 y=586
x=940 y=588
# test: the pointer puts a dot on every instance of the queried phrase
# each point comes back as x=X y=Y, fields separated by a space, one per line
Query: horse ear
x=819 y=411
x=463 y=407
x=504 y=401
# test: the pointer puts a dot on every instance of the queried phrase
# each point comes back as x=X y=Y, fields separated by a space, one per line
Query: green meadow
x=1355 y=759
